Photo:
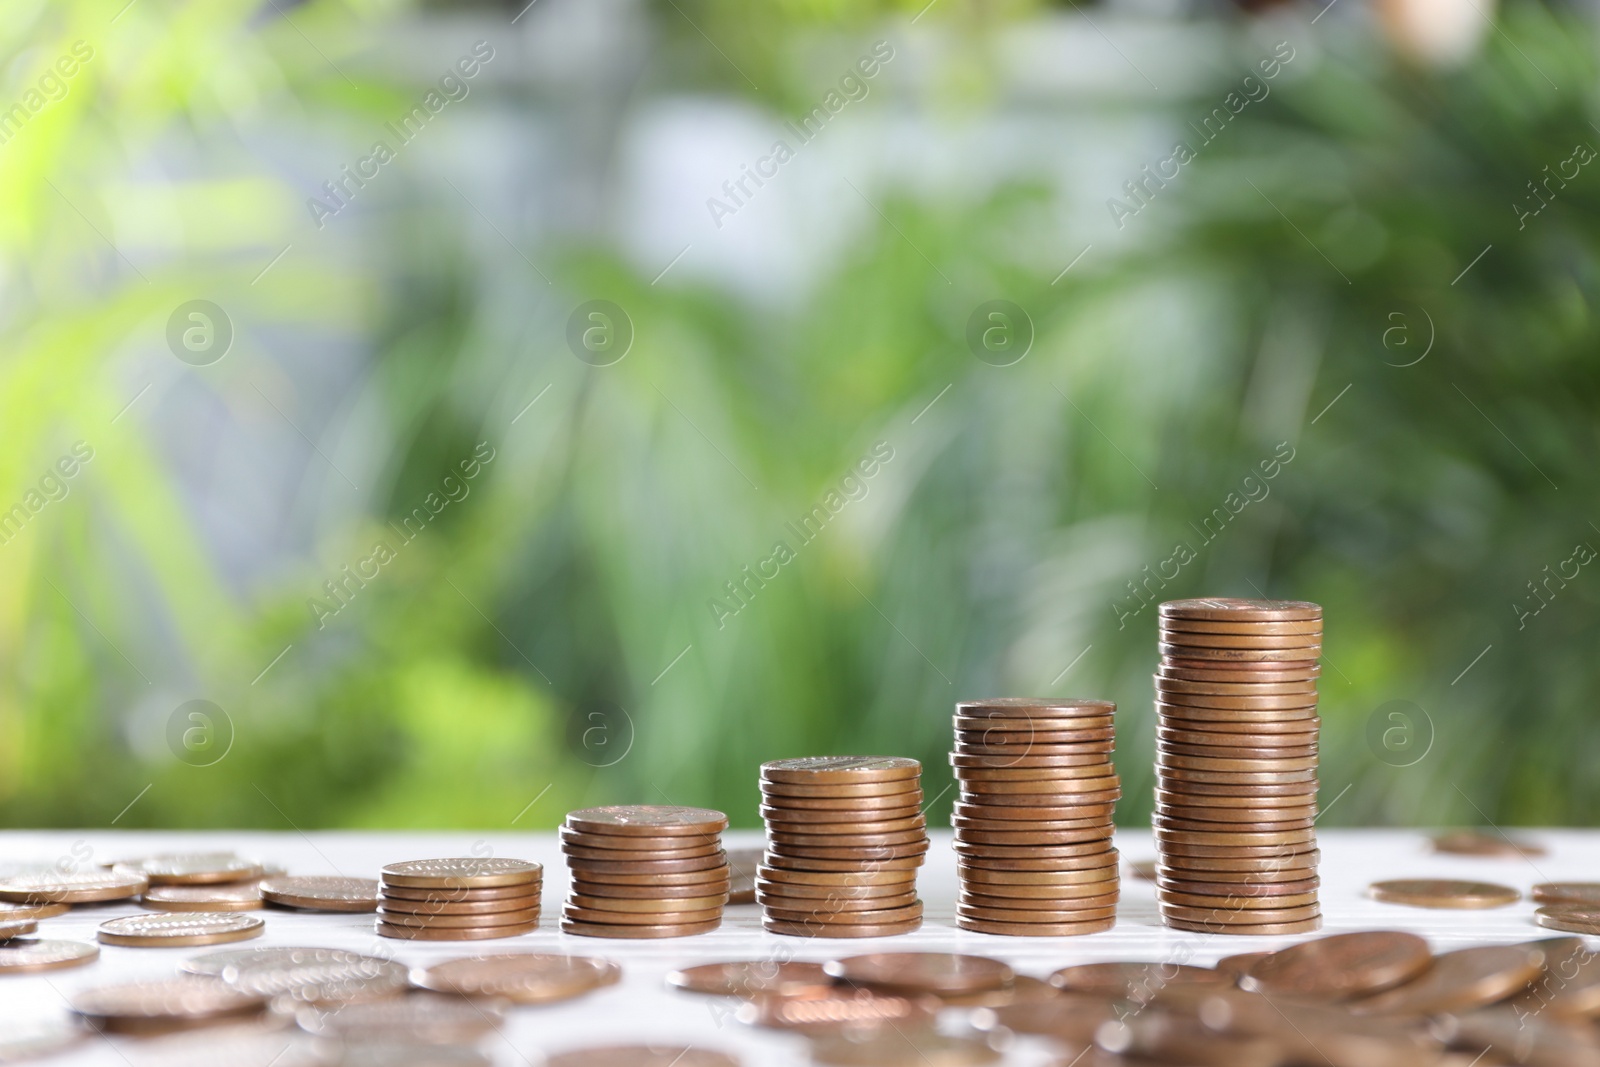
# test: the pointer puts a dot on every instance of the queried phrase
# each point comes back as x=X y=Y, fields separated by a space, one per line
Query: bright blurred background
x=329 y=495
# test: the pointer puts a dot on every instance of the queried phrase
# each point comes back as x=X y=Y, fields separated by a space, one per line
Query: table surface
x=643 y=1008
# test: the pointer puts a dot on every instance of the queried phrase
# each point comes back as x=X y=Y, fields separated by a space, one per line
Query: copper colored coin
x=12 y=912
x=1271 y=765
x=637 y=843
x=1045 y=837
x=323 y=893
x=1584 y=894
x=76 y=887
x=1237 y=966
x=1288 y=702
x=1166 y=837
x=1274 y=890
x=584 y=888
x=641 y=1056
x=574 y=913
x=29 y=956
x=1037 y=865
x=1572 y=918
x=463 y=873
x=851 y=877
x=815 y=929
x=195 y=868
x=632 y=875
x=1231 y=656
x=859 y=892
x=240 y=896
x=836 y=1008
x=1477 y=843
x=1218 y=626
x=585 y=928
x=1235 y=902
x=1221 y=806
x=178 y=929
x=648 y=820
x=1032 y=813
x=975 y=904
x=1184 y=790
x=522 y=978
x=877 y=857
x=976 y=877
x=1004 y=826
x=986 y=891
x=452 y=933
x=1460 y=981
x=1182 y=775
x=1237 y=826
x=11 y=929
x=980 y=740
x=1179 y=855
x=868 y=916
x=1343 y=966
x=784 y=841
x=1094 y=790
x=1235 y=609
x=1268 y=744
x=520 y=917
x=459 y=896
x=1095 y=847
x=1257 y=670
x=1277 y=862
x=504 y=906
x=773 y=790
x=163 y=1004
x=1175 y=686
x=853 y=827
x=642 y=858
x=1035 y=774
x=1027 y=760
x=1036 y=747
x=1033 y=916
x=1443 y=893
x=1023 y=728
x=1296 y=674
x=1305 y=731
x=1306 y=926
x=1238 y=752
x=910 y=799
x=939 y=973
x=1194 y=717
x=1246 y=641
x=1209 y=813
x=1008 y=929
x=716 y=862
x=1025 y=707
x=1254 y=916
x=1131 y=981
x=751 y=978
x=811 y=770
x=1143 y=870
x=778 y=903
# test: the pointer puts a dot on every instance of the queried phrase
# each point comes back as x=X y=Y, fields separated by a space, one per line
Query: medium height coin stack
x=1034 y=819
x=644 y=871
x=845 y=836
x=1236 y=766
x=460 y=899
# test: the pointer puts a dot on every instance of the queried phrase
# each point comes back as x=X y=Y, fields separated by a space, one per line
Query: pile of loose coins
x=1034 y=818
x=845 y=836
x=1236 y=766
x=466 y=899
x=644 y=871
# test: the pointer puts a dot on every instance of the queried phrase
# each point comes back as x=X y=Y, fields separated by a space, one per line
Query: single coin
x=1237 y=966
x=178 y=929
x=631 y=875
x=321 y=893
x=307 y=975
x=1231 y=656
x=1091 y=791
x=1298 y=674
x=717 y=862
x=835 y=930
x=168 y=1003
x=639 y=856
x=810 y=770
x=461 y=873
x=993 y=892
x=909 y=799
x=1219 y=807
x=195 y=868
x=1477 y=843
x=980 y=808
x=1253 y=916
x=796 y=909
x=11 y=929
x=1235 y=819
x=1570 y=987
x=1239 y=752
x=1040 y=916
x=912 y=838
x=237 y=896
x=1043 y=837
x=1245 y=930
x=1234 y=609
x=1089 y=848
x=1254 y=670
x=815 y=865
x=875 y=917
x=962 y=761
x=1182 y=791
x=857 y=828
x=1036 y=865
x=1273 y=764
x=1132 y=981
x=742 y=864
x=1188 y=837
x=1236 y=902
x=722 y=890
x=1460 y=981
x=75 y=887
x=1289 y=864
x=12 y=912
x=835 y=1009
x=1249 y=641
x=1179 y=686
x=577 y=913
x=522 y=978
x=28 y=956
x=1572 y=918
x=874 y=857
x=1024 y=727
x=751 y=978
x=837 y=878
x=1036 y=747
x=462 y=896
x=969 y=740
x=974 y=904
x=1582 y=893
x=1342 y=966
x=1036 y=774
x=1010 y=929
x=452 y=933
x=641 y=1056
x=972 y=877
x=1282 y=702
x=645 y=907
x=834 y=892
x=773 y=790
x=1028 y=825
x=418 y=1019
x=1027 y=707
x=1443 y=893
x=439 y=921
x=1183 y=774
x=897 y=1047
x=1215 y=626
x=1237 y=888
x=808 y=821
x=619 y=930
x=1285 y=732
x=1179 y=855
x=648 y=820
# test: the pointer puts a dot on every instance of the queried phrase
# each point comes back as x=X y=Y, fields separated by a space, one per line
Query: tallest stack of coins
x=1236 y=766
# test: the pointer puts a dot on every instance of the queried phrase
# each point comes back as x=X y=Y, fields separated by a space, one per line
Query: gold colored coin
x=178 y=929
x=1215 y=626
x=1443 y=893
x=522 y=978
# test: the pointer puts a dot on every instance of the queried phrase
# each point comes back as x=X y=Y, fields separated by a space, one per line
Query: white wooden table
x=642 y=1007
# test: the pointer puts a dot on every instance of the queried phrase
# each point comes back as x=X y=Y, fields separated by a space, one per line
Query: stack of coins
x=1034 y=819
x=644 y=871
x=845 y=836
x=1236 y=766
x=464 y=899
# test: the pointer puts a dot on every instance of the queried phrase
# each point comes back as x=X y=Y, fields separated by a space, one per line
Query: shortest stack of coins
x=644 y=871
x=845 y=836
x=1236 y=766
x=465 y=899
x=1034 y=819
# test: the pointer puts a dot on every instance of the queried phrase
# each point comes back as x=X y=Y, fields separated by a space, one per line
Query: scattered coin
x=194 y=868
x=1236 y=967
x=1573 y=918
x=77 y=887
x=1137 y=982
x=751 y=978
x=940 y=973
x=21 y=957
x=825 y=1010
x=1460 y=981
x=322 y=893
x=522 y=978
x=11 y=929
x=1583 y=893
x=10 y=912
x=178 y=929
x=234 y=896
x=162 y=1005
x=307 y=975
x=641 y=1056
x=896 y=1047
x=421 y=1018
x=1443 y=893
x=1478 y=843
x=1342 y=966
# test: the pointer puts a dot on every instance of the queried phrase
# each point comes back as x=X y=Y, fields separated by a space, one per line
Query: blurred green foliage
x=550 y=641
